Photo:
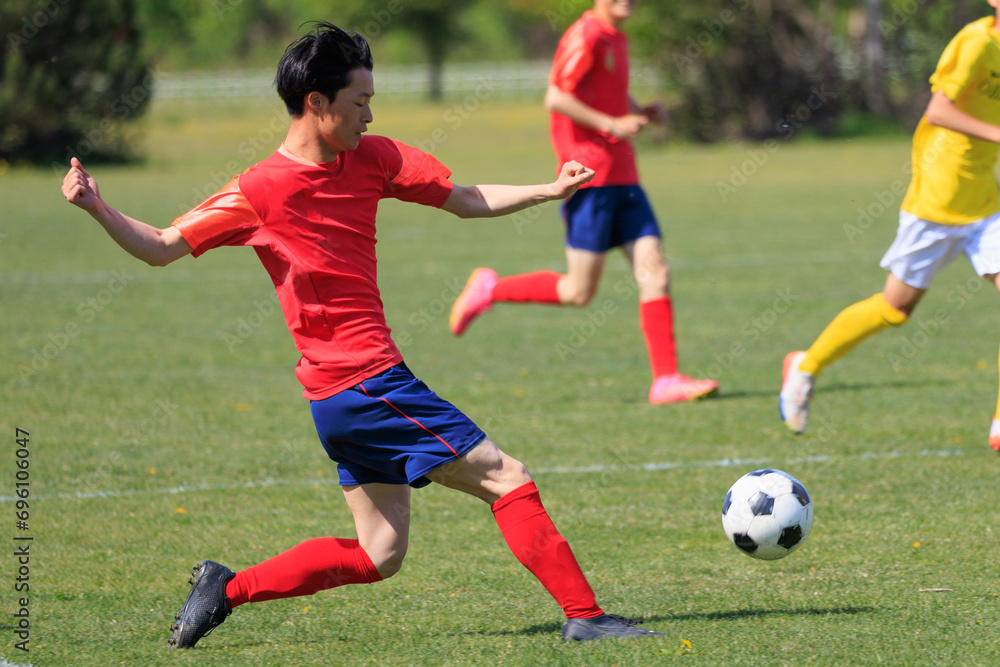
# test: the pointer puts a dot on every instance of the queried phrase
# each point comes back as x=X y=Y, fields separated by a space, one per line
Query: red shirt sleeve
x=225 y=218
x=421 y=178
x=574 y=58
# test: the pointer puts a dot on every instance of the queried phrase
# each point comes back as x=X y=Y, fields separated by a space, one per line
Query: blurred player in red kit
x=593 y=119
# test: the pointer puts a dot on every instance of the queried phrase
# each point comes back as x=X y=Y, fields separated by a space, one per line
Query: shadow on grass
x=637 y=397
x=549 y=628
x=758 y=613
x=831 y=388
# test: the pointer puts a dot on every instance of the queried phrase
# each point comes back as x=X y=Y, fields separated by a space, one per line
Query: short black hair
x=320 y=61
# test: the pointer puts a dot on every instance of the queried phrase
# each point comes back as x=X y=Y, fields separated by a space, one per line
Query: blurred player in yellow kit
x=952 y=207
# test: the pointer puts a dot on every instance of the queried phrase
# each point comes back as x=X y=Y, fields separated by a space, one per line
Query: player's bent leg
x=489 y=474
x=853 y=325
x=652 y=275
x=484 y=472
x=307 y=568
x=901 y=297
x=536 y=543
x=382 y=518
x=656 y=320
x=583 y=275
x=484 y=288
x=859 y=321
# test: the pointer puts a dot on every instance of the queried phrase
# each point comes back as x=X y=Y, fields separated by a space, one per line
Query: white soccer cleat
x=796 y=393
x=995 y=433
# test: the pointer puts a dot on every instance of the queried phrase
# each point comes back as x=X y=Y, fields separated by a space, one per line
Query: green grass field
x=166 y=425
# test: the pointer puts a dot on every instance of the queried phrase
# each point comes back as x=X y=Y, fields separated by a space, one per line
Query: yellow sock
x=853 y=325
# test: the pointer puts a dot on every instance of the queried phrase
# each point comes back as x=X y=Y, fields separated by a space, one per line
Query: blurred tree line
x=74 y=72
x=759 y=69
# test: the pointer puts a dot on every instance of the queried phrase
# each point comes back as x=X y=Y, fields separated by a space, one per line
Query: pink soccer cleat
x=679 y=388
x=475 y=299
x=995 y=433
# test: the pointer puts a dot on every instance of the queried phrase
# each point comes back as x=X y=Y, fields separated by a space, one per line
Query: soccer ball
x=767 y=514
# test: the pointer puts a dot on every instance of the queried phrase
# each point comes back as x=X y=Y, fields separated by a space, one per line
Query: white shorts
x=923 y=248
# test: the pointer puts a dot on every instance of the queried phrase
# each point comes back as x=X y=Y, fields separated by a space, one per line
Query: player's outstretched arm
x=490 y=201
x=941 y=111
x=156 y=247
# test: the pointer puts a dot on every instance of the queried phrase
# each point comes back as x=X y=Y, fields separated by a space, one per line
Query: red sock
x=312 y=566
x=656 y=319
x=537 y=544
x=537 y=287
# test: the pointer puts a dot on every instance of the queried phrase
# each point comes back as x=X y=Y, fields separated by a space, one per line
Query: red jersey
x=591 y=63
x=313 y=227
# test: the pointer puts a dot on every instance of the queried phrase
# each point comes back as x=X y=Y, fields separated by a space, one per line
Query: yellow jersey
x=953 y=181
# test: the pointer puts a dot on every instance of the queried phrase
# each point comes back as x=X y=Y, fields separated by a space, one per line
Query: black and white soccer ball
x=767 y=514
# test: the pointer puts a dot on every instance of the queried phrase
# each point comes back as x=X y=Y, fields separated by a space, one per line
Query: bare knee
x=903 y=305
x=515 y=474
x=576 y=294
x=484 y=472
x=388 y=568
x=388 y=561
x=653 y=280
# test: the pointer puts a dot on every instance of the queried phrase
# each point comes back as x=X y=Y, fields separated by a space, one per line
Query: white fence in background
x=509 y=80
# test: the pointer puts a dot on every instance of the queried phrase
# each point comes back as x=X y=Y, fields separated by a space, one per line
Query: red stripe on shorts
x=387 y=402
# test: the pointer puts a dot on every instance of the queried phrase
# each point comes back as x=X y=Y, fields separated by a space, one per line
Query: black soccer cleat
x=606 y=626
x=206 y=606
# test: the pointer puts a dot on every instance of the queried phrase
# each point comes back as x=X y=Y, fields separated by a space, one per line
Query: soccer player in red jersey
x=592 y=121
x=309 y=212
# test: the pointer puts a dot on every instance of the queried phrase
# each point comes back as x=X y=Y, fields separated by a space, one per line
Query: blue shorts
x=607 y=216
x=392 y=429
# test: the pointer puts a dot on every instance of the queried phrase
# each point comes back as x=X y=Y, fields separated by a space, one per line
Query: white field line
x=4 y=663
x=748 y=464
